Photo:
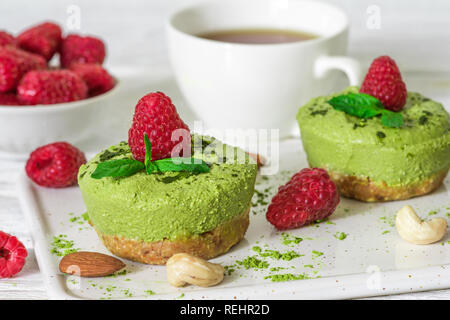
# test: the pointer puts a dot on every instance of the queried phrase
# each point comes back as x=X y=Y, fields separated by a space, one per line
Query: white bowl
x=24 y=128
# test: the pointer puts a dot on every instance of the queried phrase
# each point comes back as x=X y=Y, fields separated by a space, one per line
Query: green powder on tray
x=253 y=263
x=317 y=253
x=290 y=239
x=287 y=277
x=259 y=261
x=61 y=246
x=229 y=270
x=277 y=255
x=340 y=235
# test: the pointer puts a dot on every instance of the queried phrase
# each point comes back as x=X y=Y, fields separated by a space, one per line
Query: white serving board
x=372 y=260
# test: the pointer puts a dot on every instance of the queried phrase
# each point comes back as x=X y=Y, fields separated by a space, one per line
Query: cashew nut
x=183 y=268
x=414 y=230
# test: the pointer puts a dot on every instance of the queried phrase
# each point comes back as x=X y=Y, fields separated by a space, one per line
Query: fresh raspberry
x=384 y=81
x=96 y=77
x=43 y=39
x=51 y=86
x=9 y=99
x=157 y=116
x=6 y=39
x=14 y=63
x=55 y=165
x=12 y=255
x=79 y=49
x=310 y=195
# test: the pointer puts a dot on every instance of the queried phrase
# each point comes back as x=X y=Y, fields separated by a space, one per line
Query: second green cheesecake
x=371 y=162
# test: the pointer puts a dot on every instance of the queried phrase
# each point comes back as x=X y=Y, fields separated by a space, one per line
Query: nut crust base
x=366 y=190
x=206 y=245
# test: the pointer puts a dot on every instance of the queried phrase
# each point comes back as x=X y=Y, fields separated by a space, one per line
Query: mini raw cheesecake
x=372 y=162
x=148 y=218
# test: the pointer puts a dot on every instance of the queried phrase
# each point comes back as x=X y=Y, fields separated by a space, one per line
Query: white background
x=415 y=33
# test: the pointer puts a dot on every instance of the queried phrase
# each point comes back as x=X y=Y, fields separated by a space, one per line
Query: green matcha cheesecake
x=149 y=217
x=369 y=161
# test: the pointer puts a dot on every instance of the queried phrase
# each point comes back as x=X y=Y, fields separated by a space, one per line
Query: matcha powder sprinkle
x=61 y=246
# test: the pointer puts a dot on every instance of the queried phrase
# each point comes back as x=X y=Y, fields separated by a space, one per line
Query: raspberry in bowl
x=41 y=102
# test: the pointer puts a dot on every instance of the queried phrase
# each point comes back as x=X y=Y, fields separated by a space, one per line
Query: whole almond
x=90 y=264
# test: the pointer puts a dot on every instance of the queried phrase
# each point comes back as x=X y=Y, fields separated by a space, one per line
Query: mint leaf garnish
x=127 y=167
x=181 y=164
x=391 y=119
x=148 y=155
x=117 y=168
x=360 y=105
x=365 y=106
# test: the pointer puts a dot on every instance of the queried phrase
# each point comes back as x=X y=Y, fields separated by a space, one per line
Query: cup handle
x=349 y=66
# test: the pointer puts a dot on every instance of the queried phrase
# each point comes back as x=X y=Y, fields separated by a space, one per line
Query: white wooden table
x=414 y=33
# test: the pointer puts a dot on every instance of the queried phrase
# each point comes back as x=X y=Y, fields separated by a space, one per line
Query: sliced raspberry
x=9 y=99
x=384 y=81
x=51 y=86
x=14 y=63
x=12 y=255
x=310 y=195
x=77 y=49
x=6 y=39
x=55 y=165
x=43 y=39
x=96 y=77
x=157 y=116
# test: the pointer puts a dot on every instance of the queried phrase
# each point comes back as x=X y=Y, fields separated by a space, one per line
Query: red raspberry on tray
x=55 y=165
x=6 y=39
x=157 y=116
x=384 y=81
x=51 y=86
x=14 y=63
x=310 y=195
x=96 y=77
x=44 y=39
x=12 y=255
x=77 y=49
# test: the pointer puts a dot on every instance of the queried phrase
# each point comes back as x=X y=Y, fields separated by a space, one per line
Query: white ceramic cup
x=260 y=86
